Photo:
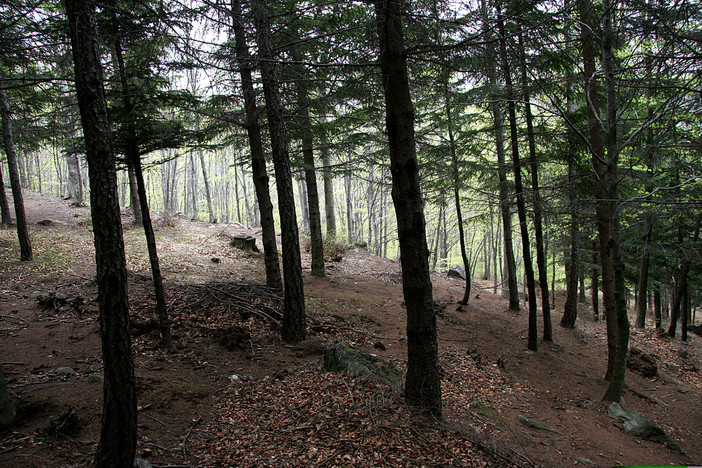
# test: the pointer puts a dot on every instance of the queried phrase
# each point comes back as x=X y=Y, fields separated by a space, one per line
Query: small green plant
x=334 y=248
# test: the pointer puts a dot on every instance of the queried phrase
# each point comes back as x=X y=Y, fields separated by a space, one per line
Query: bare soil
x=232 y=394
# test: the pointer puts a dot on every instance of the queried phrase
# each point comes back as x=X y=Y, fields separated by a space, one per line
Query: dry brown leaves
x=312 y=418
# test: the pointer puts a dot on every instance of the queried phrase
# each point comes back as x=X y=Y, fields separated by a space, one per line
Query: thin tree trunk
x=4 y=203
x=498 y=118
x=134 y=196
x=329 y=211
x=595 y=284
x=117 y=445
x=521 y=208
x=317 y=246
x=657 y=307
x=131 y=152
x=206 y=181
x=536 y=200
x=294 y=321
x=22 y=229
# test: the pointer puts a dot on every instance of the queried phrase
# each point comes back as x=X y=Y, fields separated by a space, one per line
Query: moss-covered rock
x=535 y=424
x=480 y=408
x=339 y=357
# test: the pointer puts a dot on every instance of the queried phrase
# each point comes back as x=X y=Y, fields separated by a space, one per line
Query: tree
x=521 y=207
x=117 y=444
x=422 y=385
x=258 y=159
x=133 y=157
x=294 y=321
x=22 y=230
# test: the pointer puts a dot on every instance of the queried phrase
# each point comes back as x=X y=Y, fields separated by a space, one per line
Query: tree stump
x=244 y=242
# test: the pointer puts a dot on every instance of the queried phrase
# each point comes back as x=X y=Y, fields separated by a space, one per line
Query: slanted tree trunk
x=422 y=385
x=131 y=152
x=258 y=159
x=22 y=229
x=294 y=320
x=521 y=206
x=117 y=444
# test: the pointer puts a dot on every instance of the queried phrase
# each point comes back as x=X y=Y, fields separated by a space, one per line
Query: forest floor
x=232 y=394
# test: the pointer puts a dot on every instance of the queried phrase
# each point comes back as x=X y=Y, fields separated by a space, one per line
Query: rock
x=534 y=424
x=585 y=461
x=642 y=363
x=480 y=408
x=696 y=329
x=141 y=463
x=683 y=352
x=639 y=425
x=65 y=424
x=457 y=271
x=64 y=371
x=95 y=378
x=339 y=357
x=673 y=367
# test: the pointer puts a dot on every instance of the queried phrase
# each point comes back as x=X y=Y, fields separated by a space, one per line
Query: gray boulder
x=457 y=271
x=339 y=357
x=639 y=425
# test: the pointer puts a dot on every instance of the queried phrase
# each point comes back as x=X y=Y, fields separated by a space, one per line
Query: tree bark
x=4 y=204
x=294 y=320
x=75 y=185
x=208 y=196
x=422 y=385
x=328 y=181
x=134 y=196
x=22 y=229
x=131 y=153
x=117 y=444
x=504 y=186
x=521 y=208
x=258 y=159
x=317 y=246
x=536 y=200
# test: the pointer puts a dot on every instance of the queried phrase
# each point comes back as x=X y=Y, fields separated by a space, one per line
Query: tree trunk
x=258 y=159
x=131 y=153
x=22 y=229
x=134 y=196
x=570 y=309
x=423 y=385
x=608 y=217
x=206 y=181
x=4 y=204
x=657 y=307
x=504 y=186
x=536 y=200
x=75 y=186
x=521 y=208
x=294 y=321
x=117 y=444
x=330 y=213
x=317 y=246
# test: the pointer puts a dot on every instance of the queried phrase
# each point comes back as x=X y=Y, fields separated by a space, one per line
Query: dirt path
x=233 y=394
